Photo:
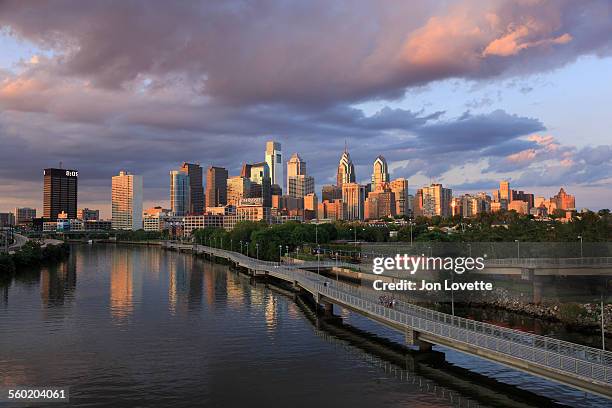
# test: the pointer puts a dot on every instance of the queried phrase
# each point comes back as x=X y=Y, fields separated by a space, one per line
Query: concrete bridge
x=578 y=366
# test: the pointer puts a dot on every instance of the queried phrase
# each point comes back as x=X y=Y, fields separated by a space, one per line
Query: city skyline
x=520 y=93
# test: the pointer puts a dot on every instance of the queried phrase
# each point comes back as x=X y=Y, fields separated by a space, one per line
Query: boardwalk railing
x=574 y=360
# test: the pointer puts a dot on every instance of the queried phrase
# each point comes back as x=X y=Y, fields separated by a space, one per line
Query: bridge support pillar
x=424 y=346
x=537 y=290
x=327 y=307
x=412 y=339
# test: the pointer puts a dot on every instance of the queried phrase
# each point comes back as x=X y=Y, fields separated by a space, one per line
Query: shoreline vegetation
x=31 y=254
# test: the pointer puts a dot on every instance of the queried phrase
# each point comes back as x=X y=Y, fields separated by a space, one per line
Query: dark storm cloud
x=145 y=85
x=308 y=52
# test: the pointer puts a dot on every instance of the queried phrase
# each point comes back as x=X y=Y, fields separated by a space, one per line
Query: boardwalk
x=579 y=366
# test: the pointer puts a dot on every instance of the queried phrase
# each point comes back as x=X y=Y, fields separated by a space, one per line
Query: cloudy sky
x=459 y=92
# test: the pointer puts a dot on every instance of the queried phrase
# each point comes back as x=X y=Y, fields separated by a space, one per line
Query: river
x=138 y=326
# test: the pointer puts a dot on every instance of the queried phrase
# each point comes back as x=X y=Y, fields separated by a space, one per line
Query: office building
x=399 y=187
x=436 y=200
x=380 y=173
x=86 y=214
x=24 y=215
x=299 y=183
x=7 y=220
x=216 y=186
x=346 y=170
x=504 y=191
x=380 y=203
x=331 y=210
x=353 y=197
x=196 y=189
x=238 y=187
x=331 y=193
x=180 y=193
x=60 y=193
x=274 y=159
x=261 y=183
x=564 y=201
x=126 y=200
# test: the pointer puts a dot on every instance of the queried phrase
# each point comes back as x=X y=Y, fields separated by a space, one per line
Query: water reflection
x=122 y=285
x=175 y=330
x=57 y=284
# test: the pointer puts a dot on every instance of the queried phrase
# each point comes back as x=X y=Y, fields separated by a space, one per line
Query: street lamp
x=232 y=244
x=580 y=238
x=257 y=250
x=469 y=250
x=318 y=259
x=280 y=254
x=518 y=249
x=241 y=246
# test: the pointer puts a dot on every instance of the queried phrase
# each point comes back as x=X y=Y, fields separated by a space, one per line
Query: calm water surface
x=132 y=326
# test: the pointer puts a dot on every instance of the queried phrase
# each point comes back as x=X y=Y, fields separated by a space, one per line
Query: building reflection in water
x=57 y=284
x=271 y=313
x=185 y=284
x=123 y=284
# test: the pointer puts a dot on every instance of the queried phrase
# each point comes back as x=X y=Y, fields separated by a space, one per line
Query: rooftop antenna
x=345 y=146
x=60 y=164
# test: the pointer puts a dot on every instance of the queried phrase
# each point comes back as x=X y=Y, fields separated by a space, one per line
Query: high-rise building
x=380 y=173
x=274 y=158
x=331 y=192
x=24 y=215
x=216 y=186
x=504 y=191
x=311 y=205
x=60 y=193
x=564 y=201
x=87 y=214
x=7 y=220
x=261 y=183
x=399 y=187
x=346 y=170
x=380 y=203
x=126 y=199
x=196 y=189
x=298 y=183
x=238 y=187
x=296 y=166
x=180 y=193
x=353 y=197
x=437 y=200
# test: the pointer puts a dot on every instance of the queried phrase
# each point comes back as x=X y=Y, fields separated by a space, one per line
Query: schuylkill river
x=142 y=327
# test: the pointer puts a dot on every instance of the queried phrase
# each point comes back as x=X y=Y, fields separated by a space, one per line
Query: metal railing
x=572 y=359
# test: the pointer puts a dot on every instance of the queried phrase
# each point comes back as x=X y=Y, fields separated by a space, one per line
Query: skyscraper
x=298 y=183
x=346 y=170
x=504 y=191
x=399 y=187
x=437 y=200
x=126 y=198
x=24 y=215
x=274 y=158
x=353 y=198
x=180 y=194
x=194 y=171
x=380 y=172
x=216 y=186
x=60 y=193
x=261 y=182
x=238 y=187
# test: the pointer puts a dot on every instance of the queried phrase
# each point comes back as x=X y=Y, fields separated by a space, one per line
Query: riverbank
x=31 y=254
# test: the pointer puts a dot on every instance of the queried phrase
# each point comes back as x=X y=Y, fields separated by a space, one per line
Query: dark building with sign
x=60 y=193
